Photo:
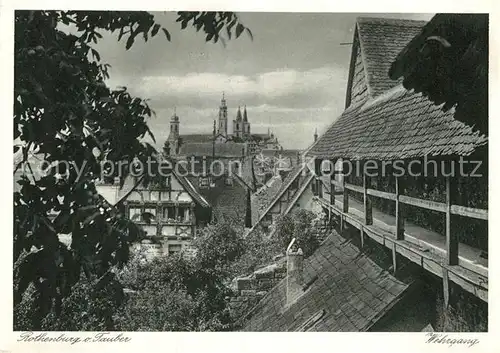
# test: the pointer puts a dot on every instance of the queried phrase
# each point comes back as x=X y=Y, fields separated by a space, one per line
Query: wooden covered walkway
x=419 y=245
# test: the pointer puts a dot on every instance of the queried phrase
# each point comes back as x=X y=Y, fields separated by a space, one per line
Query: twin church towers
x=241 y=126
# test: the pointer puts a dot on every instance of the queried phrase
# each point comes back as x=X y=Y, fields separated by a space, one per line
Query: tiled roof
x=400 y=124
x=230 y=149
x=181 y=173
x=264 y=196
x=197 y=138
x=268 y=195
x=350 y=293
x=381 y=40
x=225 y=200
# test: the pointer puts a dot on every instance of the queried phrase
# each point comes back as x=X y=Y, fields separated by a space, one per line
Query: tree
x=301 y=226
x=65 y=113
x=176 y=293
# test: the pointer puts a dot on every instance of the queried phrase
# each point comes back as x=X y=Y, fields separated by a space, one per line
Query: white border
x=248 y=342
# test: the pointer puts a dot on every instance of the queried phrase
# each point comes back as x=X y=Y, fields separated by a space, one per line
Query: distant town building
x=241 y=142
x=170 y=211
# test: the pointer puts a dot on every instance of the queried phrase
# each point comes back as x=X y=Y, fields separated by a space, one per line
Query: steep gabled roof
x=181 y=174
x=230 y=149
x=347 y=292
x=390 y=122
x=196 y=138
x=381 y=40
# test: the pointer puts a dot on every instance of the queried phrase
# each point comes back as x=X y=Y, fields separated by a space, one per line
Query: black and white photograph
x=218 y=171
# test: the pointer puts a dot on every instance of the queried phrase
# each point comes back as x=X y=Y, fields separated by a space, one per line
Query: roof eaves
x=282 y=191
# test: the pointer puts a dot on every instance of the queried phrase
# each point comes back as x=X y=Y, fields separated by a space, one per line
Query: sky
x=292 y=76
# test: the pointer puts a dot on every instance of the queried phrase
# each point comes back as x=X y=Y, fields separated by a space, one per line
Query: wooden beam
x=430 y=205
x=477 y=213
x=345 y=206
x=400 y=221
x=367 y=202
x=336 y=183
x=451 y=235
x=446 y=288
x=355 y=188
x=332 y=188
x=382 y=194
x=319 y=183
x=394 y=258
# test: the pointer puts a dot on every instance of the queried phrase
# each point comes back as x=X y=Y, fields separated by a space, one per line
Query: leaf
x=249 y=32
x=166 y=34
x=130 y=42
x=120 y=35
x=95 y=54
x=150 y=133
x=155 y=29
x=239 y=29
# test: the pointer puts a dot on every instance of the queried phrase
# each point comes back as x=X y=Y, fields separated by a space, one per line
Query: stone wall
x=249 y=290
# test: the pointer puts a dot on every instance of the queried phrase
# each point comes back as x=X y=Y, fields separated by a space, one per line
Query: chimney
x=294 y=272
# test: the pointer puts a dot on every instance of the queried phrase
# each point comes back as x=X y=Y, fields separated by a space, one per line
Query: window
x=151 y=214
x=134 y=213
x=181 y=214
x=168 y=213
x=174 y=249
x=204 y=182
x=168 y=182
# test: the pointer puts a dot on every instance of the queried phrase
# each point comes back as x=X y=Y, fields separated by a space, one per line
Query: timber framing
x=471 y=281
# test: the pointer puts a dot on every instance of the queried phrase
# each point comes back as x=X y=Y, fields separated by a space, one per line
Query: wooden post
x=400 y=222
x=346 y=194
x=446 y=288
x=320 y=187
x=367 y=201
x=332 y=194
x=451 y=235
x=159 y=218
x=126 y=210
x=394 y=258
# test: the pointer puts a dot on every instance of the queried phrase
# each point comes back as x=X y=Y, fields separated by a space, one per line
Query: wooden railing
x=448 y=208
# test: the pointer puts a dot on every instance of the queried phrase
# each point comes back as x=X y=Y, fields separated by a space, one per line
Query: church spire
x=223 y=100
x=245 y=118
x=238 y=115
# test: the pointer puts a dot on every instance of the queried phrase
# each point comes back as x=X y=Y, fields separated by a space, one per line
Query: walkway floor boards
x=472 y=267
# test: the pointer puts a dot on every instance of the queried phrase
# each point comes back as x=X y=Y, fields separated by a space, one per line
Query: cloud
x=280 y=88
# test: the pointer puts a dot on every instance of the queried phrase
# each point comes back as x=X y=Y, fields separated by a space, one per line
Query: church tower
x=238 y=125
x=246 y=124
x=173 y=136
x=222 y=129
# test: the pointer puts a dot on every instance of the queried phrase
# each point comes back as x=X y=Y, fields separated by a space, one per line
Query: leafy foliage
x=183 y=294
x=65 y=113
x=298 y=225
